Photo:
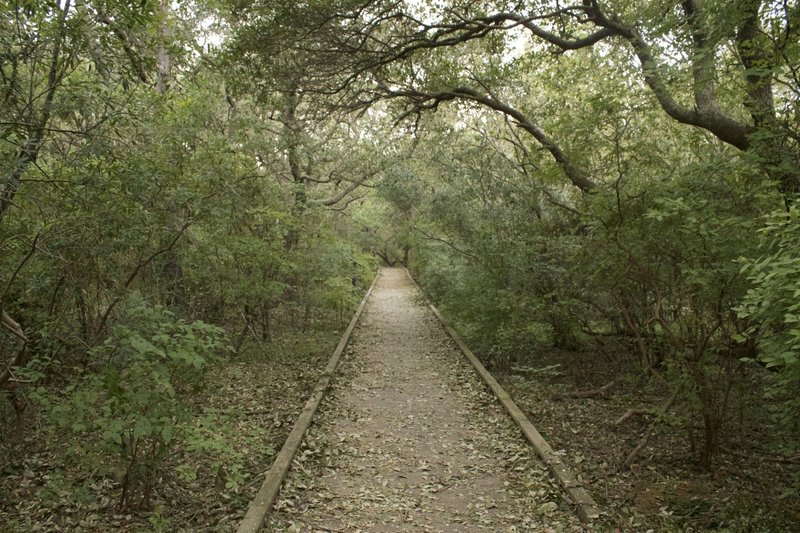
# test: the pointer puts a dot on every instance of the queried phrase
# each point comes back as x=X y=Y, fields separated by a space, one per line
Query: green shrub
x=138 y=400
x=773 y=304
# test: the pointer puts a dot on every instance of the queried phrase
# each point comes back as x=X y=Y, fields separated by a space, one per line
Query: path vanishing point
x=409 y=439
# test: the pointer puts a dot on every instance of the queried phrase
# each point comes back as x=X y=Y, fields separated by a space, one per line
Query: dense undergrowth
x=751 y=487
x=69 y=479
x=155 y=249
x=639 y=357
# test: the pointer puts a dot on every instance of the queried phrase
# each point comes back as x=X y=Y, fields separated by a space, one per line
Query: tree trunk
x=28 y=154
x=298 y=184
x=164 y=37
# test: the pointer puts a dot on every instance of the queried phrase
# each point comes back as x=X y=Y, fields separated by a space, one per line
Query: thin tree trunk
x=163 y=59
x=28 y=154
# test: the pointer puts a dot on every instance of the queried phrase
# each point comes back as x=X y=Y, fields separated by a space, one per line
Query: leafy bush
x=675 y=293
x=138 y=400
x=773 y=303
x=338 y=296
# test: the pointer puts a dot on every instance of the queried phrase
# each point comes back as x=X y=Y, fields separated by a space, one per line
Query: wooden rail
x=584 y=504
x=262 y=504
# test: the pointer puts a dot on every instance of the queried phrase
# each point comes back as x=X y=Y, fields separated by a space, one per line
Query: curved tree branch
x=135 y=273
x=422 y=101
x=707 y=114
x=328 y=202
x=448 y=243
x=22 y=346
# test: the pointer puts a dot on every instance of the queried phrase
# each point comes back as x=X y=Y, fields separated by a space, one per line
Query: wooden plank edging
x=585 y=506
x=262 y=504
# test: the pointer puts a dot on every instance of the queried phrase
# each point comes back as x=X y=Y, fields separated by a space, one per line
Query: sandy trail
x=409 y=440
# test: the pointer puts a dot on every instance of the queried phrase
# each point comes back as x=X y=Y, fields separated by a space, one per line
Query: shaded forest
x=602 y=196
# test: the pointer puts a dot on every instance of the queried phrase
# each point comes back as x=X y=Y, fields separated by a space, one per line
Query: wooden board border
x=262 y=504
x=585 y=506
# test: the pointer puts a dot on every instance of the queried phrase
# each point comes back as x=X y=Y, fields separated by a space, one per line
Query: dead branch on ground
x=626 y=464
x=594 y=393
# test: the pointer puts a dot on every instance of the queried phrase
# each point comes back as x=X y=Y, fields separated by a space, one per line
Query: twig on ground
x=631 y=413
x=626 y=464
x=316 y=527
x=593 y=393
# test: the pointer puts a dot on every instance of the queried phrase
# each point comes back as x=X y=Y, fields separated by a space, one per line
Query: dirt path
x=409 y=440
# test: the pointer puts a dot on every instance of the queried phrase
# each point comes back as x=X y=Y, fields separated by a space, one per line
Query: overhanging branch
x=448 y=243
x=427 y=101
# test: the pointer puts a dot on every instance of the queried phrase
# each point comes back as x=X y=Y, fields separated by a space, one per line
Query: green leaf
x=143 y=428
x=167 y=432
x=143 y=346
x=112 y=435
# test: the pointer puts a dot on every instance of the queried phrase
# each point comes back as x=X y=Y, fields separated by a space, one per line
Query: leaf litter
x=408 y=439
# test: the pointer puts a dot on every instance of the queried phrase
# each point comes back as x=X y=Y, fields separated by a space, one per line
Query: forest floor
x=751 y=488
x=408 y=439
x=50 y=484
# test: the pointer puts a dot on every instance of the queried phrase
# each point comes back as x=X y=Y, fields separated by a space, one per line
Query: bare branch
x=448 y=243
x=559 y=41
x=349 y=201
x=135 y=273
x=21 y=264
x=599 y=391
x=22 y=346
x=328 y=202
x=422 y=101
x=128 y=47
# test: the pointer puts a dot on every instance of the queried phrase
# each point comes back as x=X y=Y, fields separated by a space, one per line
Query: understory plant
x=772 y=305
x=675 y=295
x=138 y=399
